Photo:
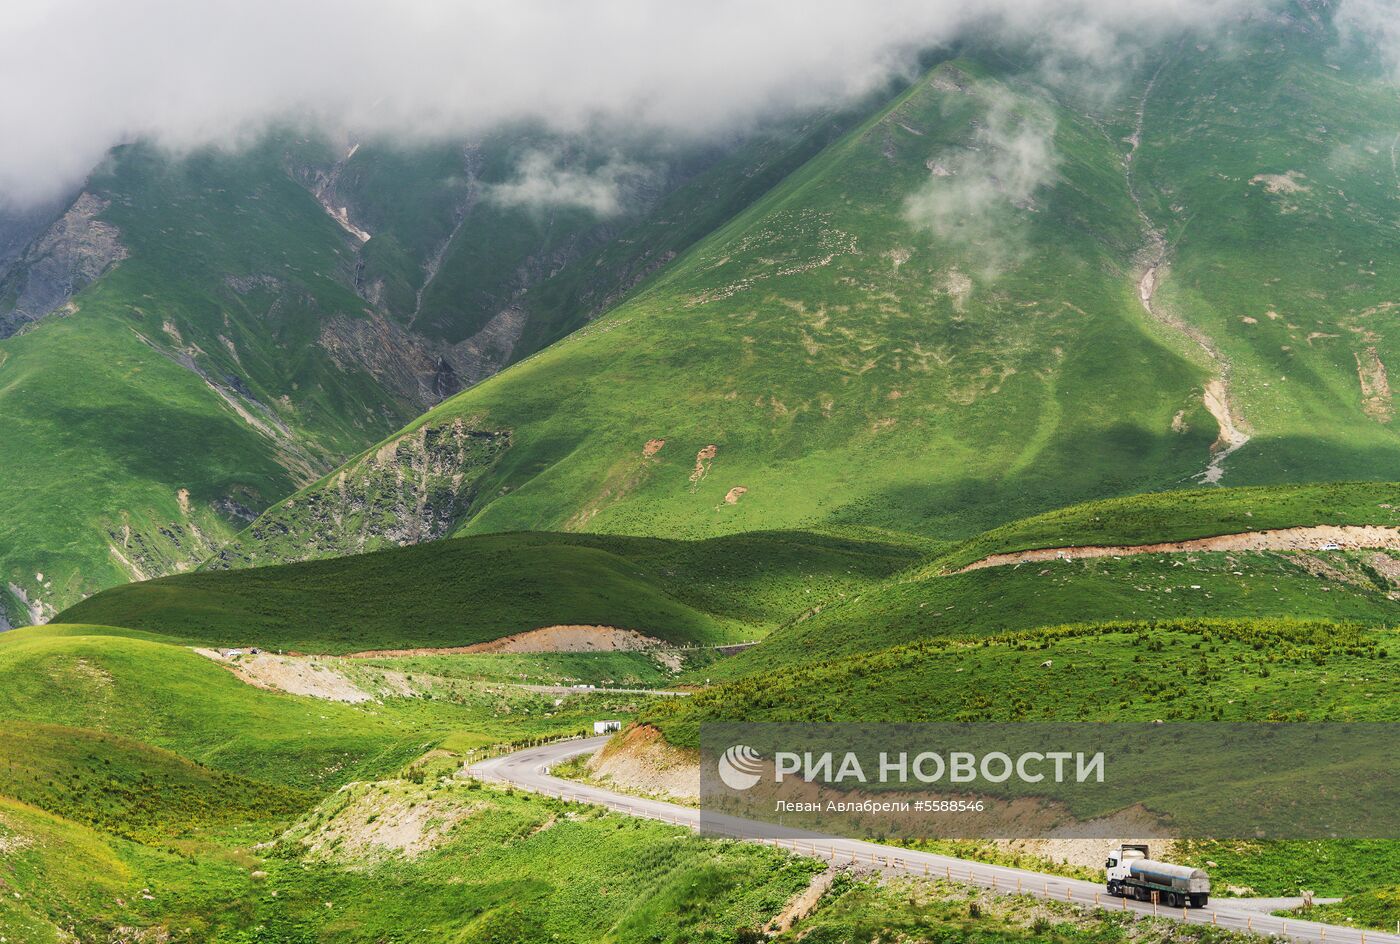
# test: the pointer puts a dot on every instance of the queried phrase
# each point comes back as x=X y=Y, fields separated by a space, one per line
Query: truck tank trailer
x=1132 y=874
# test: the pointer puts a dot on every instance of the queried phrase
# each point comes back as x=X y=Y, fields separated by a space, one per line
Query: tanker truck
x=1133 y=874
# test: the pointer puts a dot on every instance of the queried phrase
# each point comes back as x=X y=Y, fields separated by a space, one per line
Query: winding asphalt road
x=528 y=769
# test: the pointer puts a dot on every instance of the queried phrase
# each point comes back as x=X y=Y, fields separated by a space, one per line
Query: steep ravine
x=1153 y=260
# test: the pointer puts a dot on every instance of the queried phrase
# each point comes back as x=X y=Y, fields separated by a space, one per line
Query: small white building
x=606 y=727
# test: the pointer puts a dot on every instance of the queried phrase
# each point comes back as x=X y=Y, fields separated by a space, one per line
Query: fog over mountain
x=192 y=74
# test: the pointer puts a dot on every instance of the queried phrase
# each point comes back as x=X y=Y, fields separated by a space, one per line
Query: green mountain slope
x=196 y=337
x=1270 y=176
x=987 y=301
x=184 y=389
x=465 y=253
x=1266 y=669
x=823 y=360
x=171 y=698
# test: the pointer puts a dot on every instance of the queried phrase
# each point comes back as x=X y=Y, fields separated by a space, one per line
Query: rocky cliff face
x=146 y=549
x=20 y=226
x=410 y=366
x=413 y=489
x=75 y=251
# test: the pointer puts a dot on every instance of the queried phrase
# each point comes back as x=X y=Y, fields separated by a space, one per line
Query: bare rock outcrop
x=70 y=255
x=401 y=361
x=412 y=489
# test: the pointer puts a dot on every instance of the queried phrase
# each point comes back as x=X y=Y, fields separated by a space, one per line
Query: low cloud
x=80 y=77
x=1373 y=25
x=977 y=195
x=542 y=182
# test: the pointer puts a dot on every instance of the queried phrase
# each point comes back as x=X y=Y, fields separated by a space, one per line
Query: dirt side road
x=1325 y=537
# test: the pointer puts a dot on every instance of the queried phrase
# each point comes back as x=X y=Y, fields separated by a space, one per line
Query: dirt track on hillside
x=1318 y=538
x=295 y=675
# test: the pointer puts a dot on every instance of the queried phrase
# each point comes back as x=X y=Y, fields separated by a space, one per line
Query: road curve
x=528 y=769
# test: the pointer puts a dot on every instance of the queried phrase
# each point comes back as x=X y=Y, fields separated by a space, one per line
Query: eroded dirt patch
x=1153 y=256
x=1231 y=436
x=703 y=459
x=803 y=903
x=1325 y=537
x=641 y=762
x=1387 y=566
x=295 y=675
x=1375 y=386
x=1063 y=846
x=1291 y=182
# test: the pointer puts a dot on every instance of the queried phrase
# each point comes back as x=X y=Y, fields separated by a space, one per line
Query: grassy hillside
x=1185 y=514
x=232 y=340
x=933 y=600
x=171 y=698
x=164 y=799
x=1232 y=670
x=126 y=788
x=463 y=591
x=826 y=359
x=866 y=347
x=1274 y=187
x=456 y=257
x=824 y=596
x=1374 y=909
x=610 y=879
x=1170 y=670
x=184 y=390
x=1334 y=585
x=58 y=874
x=867 y=910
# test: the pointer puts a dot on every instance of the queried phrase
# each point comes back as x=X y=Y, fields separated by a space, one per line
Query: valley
x=389 y=499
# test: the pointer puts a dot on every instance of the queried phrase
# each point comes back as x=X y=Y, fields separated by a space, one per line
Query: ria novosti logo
x=740 y=767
